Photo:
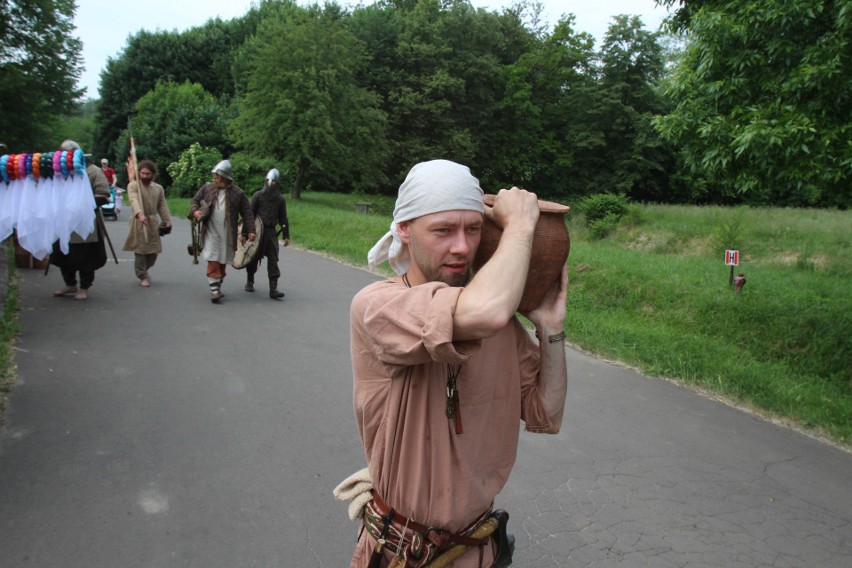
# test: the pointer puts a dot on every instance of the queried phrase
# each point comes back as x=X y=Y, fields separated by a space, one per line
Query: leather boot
x=250 y=286
x=273 y=290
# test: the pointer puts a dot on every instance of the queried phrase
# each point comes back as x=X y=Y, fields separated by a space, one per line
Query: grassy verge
x=9 y=328
x=654 y=294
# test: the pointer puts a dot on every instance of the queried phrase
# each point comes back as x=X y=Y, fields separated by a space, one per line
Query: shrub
x=729 y=230
x=600 y=228
x=604 y=206
x=192 y=170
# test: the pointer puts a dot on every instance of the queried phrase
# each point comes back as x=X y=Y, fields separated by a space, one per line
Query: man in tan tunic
x=147 y=202
x=443 y=371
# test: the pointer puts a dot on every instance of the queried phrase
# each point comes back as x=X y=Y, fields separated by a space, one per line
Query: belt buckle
x=440 y=536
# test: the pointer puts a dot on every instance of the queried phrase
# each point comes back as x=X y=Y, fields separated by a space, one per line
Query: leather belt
x=434 y=534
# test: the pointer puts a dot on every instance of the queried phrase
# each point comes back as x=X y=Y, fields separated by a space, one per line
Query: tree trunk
x=300 y=178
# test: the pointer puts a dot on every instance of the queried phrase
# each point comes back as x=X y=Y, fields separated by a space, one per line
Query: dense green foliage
x=169 y=119
x=201 y=55
x=750 y=103
x=39 y=68
x=302 y=104
x=763 y=99
x=192 y=169
x=348 y=101
x=78 y=125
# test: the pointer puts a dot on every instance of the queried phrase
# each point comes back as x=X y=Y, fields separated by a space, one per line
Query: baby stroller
x=112 y=209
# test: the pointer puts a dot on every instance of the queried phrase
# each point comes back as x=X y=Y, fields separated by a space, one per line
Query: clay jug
x=551 y=245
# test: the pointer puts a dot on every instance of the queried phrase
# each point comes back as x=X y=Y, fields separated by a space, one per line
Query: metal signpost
x=732 y=259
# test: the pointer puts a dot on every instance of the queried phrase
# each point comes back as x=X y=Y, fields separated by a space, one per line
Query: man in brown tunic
x=147 y=202
x=443 y=370
x=218 y=205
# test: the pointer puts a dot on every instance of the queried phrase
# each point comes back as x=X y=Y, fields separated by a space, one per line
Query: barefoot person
x=85 y=254
x=150 y=211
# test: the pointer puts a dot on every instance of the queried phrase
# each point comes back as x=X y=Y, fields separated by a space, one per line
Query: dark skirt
x=81 y=256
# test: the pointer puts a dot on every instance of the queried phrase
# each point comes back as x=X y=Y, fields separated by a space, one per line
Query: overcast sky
x=105 y=25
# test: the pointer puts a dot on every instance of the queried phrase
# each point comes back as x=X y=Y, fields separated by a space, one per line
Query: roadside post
x=732 y=259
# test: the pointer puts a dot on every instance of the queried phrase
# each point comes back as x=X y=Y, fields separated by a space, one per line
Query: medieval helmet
x=272 y=175
x=223 y=168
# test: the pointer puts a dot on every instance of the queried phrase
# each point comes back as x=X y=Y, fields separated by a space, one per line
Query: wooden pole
x=484 y=530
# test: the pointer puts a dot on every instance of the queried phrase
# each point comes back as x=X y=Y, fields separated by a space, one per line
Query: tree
x=763 y=98
x=145 y=60
x=541 y=119
x=476 y=58
x=442 y=91
x=637 y=160
x=39 y=69
x=201 y=55
x=78 y=126
x=299 y=101
x=170 y=119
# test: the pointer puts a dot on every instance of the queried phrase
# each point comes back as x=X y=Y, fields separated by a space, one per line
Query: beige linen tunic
x=150 y=201
x=217 y=239
x=401 y=348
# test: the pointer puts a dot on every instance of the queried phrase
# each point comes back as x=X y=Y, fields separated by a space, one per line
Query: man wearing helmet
x=218 y=205
x=268 y=203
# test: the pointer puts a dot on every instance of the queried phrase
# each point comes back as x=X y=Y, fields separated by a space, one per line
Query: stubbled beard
x=435 y=274
x=454 y=280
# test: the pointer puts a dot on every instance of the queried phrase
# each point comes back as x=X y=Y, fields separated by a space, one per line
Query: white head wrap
x=430 y=187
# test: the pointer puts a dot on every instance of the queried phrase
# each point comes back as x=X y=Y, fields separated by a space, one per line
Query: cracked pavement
x=151 y=428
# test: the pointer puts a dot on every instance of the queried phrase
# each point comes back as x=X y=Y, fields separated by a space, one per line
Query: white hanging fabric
x=44 y=198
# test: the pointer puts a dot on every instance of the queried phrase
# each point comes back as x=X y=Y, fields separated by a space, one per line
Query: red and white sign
x=732 y=258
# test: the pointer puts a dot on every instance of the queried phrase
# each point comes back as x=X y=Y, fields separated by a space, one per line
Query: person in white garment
x=218 y=205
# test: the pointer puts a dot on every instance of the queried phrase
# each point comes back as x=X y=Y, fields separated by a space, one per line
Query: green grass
x=654 y=294
x=327 y=223
x=9 y=327
x=178 y=207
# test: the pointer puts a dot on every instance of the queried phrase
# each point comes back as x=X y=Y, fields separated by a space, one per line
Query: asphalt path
x=152 y=428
